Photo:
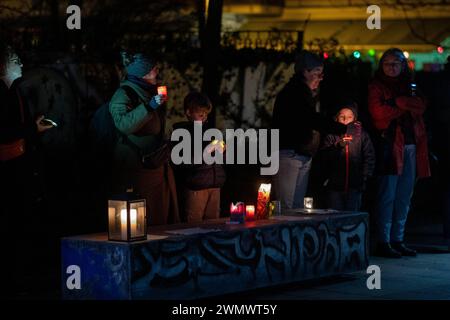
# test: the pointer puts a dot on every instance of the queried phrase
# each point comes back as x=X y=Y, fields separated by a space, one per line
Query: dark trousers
x=345 y=201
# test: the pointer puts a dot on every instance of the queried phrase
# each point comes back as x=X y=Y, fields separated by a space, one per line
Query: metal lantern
x=127 y=218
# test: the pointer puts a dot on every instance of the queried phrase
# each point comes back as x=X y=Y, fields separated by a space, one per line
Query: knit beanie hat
x=138 y=65
x=306 y=60
x=349 y=105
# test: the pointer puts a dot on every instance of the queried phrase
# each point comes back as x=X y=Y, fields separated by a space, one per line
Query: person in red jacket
x=396 y=109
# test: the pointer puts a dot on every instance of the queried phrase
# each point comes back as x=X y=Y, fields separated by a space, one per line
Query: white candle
x=123 y=224
x=308 y=203
x=133 y=222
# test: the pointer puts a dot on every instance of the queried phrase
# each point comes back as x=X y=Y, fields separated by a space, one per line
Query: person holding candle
x=141 y=130
x=351 y=158
x=300 y=126
x=199 y=184
x=402 y=149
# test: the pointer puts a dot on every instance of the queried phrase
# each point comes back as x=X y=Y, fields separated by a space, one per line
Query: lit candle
x=263 y=199
x=133 y=222
x=123 y=223
x=250 y=213
x=308 y=202
x=162 y=90
x=237 y=212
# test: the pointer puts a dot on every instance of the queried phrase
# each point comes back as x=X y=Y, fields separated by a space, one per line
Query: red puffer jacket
x=388 y=101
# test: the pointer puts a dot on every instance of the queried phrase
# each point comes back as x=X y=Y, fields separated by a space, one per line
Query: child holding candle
x=352 y=160
x=199 y=184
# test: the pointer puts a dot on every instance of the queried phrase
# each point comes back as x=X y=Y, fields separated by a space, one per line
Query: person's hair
x=126 y=58
x=306 y=61
x=405 y=73
x=6 y=53
x=350 y=105
x=196 y=100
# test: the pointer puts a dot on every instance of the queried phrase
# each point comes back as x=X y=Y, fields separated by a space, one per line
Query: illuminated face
x=13 y=68
x=392 y=66
x=197 y=114
x=345 y=116
x=152 y=76
x=313 y=77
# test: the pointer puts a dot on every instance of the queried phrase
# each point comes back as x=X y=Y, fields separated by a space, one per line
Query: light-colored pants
x=202 y=204
x=291 y=181
x=394 y=198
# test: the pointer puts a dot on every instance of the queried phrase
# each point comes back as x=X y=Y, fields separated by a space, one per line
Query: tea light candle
x=308 y=202
x=250 y=213
x=123 y=222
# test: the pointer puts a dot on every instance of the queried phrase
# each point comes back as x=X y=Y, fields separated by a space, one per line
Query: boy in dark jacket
x=351 y=159
x=199 y=184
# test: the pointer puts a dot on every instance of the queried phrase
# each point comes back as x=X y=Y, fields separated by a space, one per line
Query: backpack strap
x=133 y=95
x=135 y=101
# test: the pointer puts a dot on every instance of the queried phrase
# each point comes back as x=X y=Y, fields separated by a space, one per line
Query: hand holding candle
x=162 y=91
x=218 y=145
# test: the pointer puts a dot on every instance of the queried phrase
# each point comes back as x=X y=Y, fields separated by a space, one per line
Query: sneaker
x=404 y=250
x=385 y=250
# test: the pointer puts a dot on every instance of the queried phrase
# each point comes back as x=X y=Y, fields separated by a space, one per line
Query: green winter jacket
x=140 y=126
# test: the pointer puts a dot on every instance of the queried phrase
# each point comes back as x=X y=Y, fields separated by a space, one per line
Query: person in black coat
x=300 y=126
x=199 y=184
x=21 y=192
x=351 y=161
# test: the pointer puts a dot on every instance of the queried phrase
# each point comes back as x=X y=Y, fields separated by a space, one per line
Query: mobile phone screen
x=48 y=122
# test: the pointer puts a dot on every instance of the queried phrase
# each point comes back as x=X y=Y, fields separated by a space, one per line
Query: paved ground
x=425 y=277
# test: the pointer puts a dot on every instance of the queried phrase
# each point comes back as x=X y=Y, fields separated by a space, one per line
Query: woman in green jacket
x=139 y=115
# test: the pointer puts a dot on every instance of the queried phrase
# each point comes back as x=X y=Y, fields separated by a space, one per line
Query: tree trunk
x=210 y=45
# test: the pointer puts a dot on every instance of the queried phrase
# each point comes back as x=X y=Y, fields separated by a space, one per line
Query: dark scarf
x=142 y=83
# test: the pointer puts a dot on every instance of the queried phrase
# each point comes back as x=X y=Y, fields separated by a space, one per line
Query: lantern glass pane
x=137 y=219
x=117 y=219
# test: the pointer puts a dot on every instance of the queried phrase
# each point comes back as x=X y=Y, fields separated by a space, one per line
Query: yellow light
x=206 y=9
x=406 y=54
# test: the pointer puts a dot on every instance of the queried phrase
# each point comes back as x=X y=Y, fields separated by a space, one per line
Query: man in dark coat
x=19 y=170
x=300 y=126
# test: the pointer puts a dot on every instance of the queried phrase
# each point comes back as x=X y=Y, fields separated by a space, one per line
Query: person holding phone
x=20 y=170
x=396 y=109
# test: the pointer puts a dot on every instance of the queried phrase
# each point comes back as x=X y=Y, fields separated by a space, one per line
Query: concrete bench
x=194 y=261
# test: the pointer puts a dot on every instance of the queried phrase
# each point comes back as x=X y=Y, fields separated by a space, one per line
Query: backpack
x=104 y=134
